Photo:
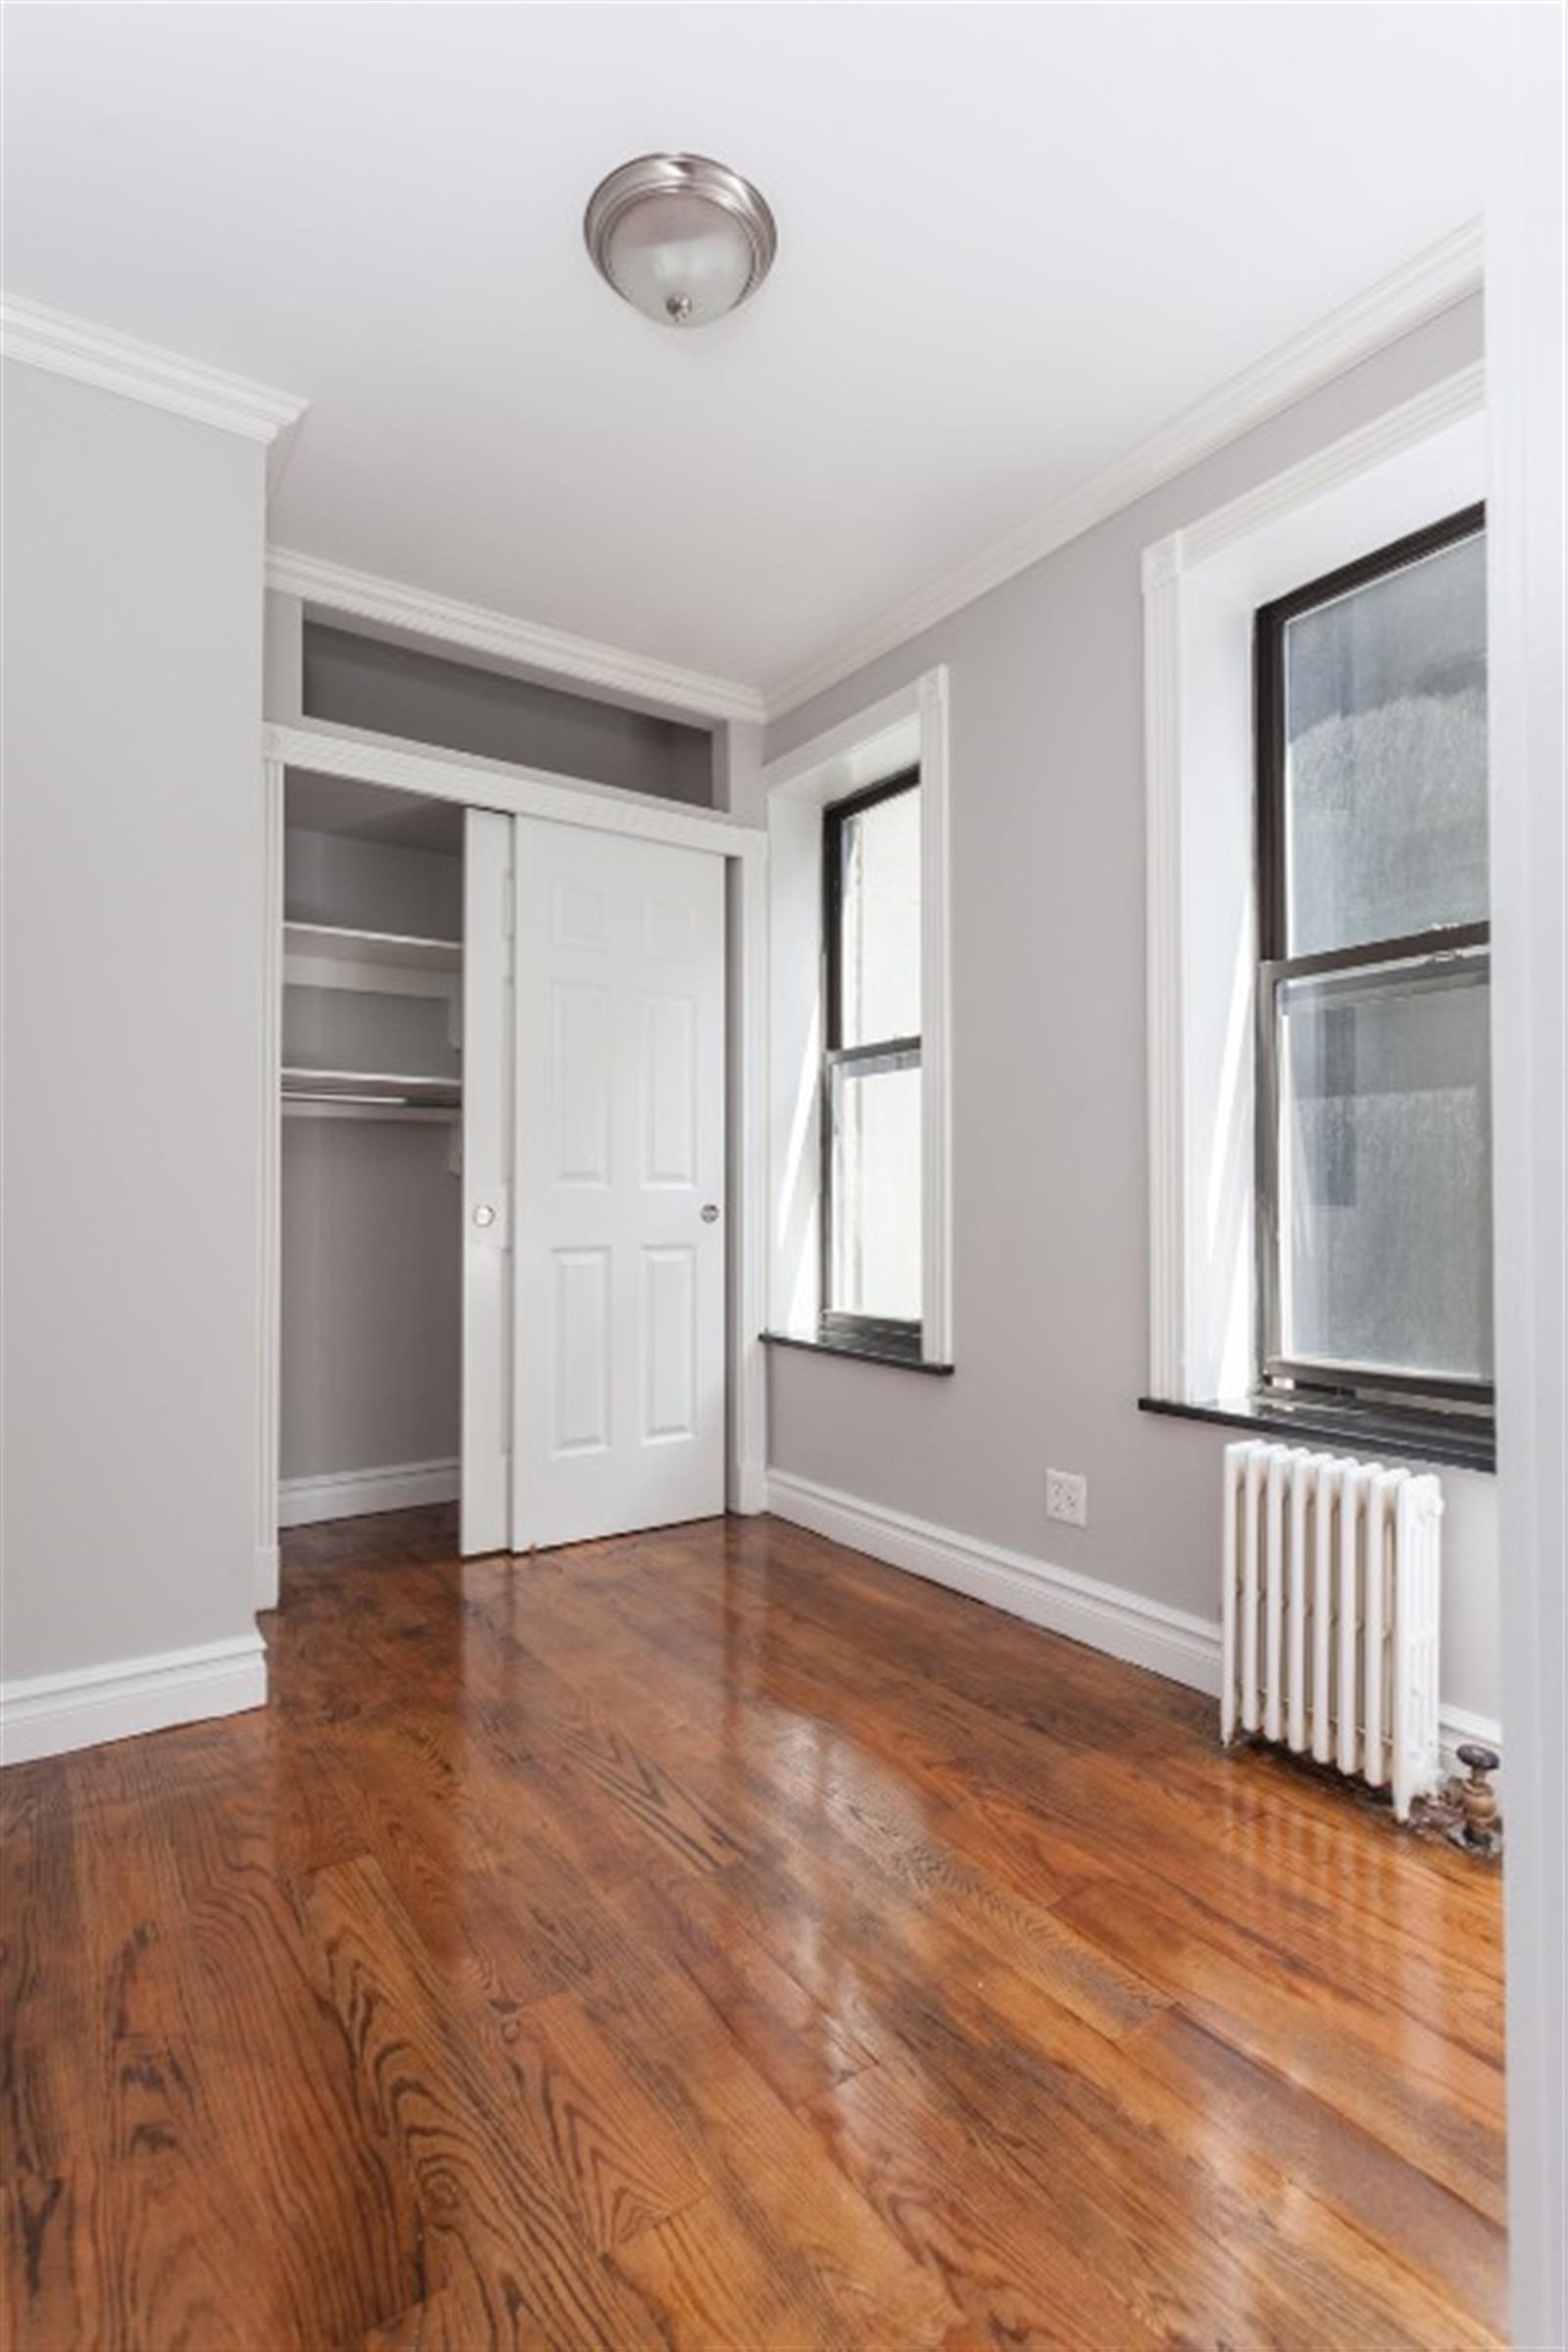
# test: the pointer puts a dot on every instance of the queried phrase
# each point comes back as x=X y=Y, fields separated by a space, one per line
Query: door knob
x=711 y=1213
x=484 y=1214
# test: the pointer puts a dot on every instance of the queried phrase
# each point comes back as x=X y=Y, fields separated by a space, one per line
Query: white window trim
x=906 y=729
x=1201 y=586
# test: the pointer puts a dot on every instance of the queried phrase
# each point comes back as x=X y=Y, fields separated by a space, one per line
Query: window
x=1374 y=1191
x=872 y=1078
x=860 y=1157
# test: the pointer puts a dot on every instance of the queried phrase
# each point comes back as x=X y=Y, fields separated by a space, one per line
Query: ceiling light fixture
x=681 y=238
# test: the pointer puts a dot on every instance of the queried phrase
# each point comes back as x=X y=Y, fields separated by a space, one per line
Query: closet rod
x=367 y=1106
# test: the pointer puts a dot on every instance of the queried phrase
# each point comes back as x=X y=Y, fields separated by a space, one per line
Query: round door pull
x=710 y=1213
x=484 y=1214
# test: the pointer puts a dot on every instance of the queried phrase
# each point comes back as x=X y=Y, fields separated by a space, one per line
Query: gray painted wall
x=372 y=1295
x=370 y=885
x=357 y=681
x=1049 y=1128
x=371 y=1211
x=133 y=961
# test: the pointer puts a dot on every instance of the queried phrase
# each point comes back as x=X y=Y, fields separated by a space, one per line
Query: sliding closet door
x=619 y=1157
x=488 y=1087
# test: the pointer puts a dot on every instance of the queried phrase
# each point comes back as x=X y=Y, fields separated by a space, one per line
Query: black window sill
x=1414 y=1437
x=858 y=1352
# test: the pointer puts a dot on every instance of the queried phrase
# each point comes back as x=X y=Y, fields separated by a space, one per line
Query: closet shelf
x=328 y=943
x=371 y=1086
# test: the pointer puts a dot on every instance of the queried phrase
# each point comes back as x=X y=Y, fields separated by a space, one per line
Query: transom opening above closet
x=381 y=687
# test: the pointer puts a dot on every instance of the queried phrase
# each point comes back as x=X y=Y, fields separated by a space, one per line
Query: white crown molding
x=1449 y=402
x=40 y=337
x=392 y=603
x=1110 y=1618
x=1432 y=282
x=51 y=1714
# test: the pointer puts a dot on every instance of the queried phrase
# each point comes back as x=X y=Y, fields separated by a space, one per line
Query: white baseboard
x=355 y=1494
x=1456 y=1724
x=1106 y=1617
x=51 y=1714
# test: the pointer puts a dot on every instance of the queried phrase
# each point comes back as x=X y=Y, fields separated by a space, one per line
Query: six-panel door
x=619 y=1337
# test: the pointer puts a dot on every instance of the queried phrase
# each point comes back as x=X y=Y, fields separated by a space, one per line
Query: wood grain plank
x=504 y=2242
x=970 y=2221
x=715 y=1938
x=796 y=2045
x=1435 y=2105
x=343 y=2248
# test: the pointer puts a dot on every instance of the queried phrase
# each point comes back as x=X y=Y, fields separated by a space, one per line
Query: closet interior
x=411 y=695
x=371 y=1195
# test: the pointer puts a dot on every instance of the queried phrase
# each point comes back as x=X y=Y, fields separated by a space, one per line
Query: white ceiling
x=1013 y=242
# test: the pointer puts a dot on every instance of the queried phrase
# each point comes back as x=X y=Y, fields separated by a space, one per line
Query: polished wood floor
x=716 y=1938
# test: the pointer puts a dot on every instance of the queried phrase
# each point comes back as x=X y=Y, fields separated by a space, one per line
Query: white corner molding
x=1202 y=584
x=1164 y=978
x=1526 y=625
x=40 y=337
x=1110 y=1618
x=52 y=1714
x=269 y=1239
x=325 y=588
x=749 y=1260
x=908 y=729
x=359 y=1494
x=267 y=1571
x=1433 y=282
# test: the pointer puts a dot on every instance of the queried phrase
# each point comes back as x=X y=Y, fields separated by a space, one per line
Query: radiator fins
x=1330 y=1614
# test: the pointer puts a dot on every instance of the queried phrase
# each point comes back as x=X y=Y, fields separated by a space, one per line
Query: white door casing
x=620 y=1151
x=488 y=1081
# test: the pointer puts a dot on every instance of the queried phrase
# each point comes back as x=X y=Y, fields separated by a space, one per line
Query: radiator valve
x=1479 y=1828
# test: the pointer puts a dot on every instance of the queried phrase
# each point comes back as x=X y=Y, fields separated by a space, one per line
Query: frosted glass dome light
x=681 y=238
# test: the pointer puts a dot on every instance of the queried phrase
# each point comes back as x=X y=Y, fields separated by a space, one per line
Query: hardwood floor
x=716 y=1938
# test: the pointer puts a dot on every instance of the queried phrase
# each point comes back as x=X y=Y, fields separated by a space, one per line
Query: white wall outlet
x=1067 y=1498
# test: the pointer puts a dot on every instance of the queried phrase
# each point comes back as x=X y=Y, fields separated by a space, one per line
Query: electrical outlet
x=1067 y=1498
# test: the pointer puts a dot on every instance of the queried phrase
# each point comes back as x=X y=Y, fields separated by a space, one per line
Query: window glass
x=1385 y=757
x=1385 y=1158
x=880 y=926
x=874 y=1260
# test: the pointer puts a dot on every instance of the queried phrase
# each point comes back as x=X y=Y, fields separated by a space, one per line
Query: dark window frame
x=1446 y=952
x=874 y=1333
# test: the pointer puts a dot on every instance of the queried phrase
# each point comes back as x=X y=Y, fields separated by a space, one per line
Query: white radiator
x=1333 y=1577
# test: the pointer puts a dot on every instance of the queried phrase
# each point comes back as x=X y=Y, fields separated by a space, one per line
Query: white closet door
x=619 y=1156
x=488 y=1082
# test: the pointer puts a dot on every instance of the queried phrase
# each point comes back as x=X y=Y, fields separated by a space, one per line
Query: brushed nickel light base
x=708 y=242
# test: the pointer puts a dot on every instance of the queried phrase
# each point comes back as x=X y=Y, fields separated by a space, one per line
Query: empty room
x=783 y=1178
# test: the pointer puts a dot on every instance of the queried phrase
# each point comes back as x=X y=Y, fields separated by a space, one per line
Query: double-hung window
x=871 y=1081
x=1373 y=1195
